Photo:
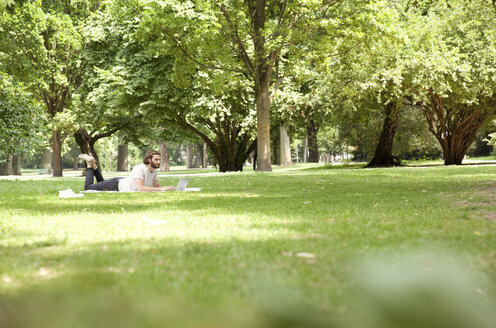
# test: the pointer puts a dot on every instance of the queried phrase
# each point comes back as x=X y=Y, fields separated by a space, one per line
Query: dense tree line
x=233 y=73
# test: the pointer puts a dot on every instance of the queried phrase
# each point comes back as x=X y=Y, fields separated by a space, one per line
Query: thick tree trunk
x=457 y=145
x=164 y=154
x=284 y=148
x=189 y=156
x=57 y=153
x=16 y=165
x=231 y=145
x=122 y=158
x=263 y=130
x=6 y=167
x=228 y=161
x=197 y=155
x=383 y=155
x=3 y=169
x=313 y=148
x=262 y=68
x=455 y=126
x=205 y=156
x=454 y=157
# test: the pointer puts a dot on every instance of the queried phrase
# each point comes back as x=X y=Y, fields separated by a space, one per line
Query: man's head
x=152 y=157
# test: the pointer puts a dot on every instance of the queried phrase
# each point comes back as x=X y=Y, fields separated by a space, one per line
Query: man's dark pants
x=110 y=185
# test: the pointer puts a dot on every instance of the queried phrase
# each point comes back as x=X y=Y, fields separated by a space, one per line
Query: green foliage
x=455 y=55
x=42 y=44
x=191 y=68
x=413 y=139
x=22 y=122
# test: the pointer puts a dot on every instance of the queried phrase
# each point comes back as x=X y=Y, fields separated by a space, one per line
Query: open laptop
x=183 y=183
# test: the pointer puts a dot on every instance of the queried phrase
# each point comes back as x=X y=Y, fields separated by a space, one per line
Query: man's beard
x=155 y=166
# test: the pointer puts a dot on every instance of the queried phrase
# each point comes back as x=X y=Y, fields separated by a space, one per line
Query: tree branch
x=241 y=46
x=185 y=52
x=115 y=129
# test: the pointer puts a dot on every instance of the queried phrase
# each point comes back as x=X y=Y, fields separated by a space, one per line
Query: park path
x=78 y=174
x=190 y=172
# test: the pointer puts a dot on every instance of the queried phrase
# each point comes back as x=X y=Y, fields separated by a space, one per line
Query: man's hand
x=140 y=183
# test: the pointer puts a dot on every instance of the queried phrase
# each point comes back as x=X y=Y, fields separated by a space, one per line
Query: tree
x=122 y=155
x=21 y=120
x=383 y=155
x=224 y=122
x=455 y=64
x=109 y=98
x=256 y=39
x=371 y=79
x=42 y=49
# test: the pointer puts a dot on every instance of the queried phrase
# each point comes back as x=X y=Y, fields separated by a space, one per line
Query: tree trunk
x=231 y=145
x=75 y=165
x=197 y=155
x=6 y=167
x=305 y=150
x=313 y=148
x=455 y=126
x=75 y=157
x=229 y=161
x=284 y=148
x=275 y=149
x=189 y=156
x=86 y=143
x=122 y=158
x=57 y=153
x=16 y=165
x=383 y=155
x=296 y=152
x=263 y=65
x=263 y=130
x=457 y=146
x=46 y=160
x=205 y=156
x=3 y=169
x=164 y=153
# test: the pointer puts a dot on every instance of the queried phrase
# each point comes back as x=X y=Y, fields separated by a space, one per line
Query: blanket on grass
x=68 y=193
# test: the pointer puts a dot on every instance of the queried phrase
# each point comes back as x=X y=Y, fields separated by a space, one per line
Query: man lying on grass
x=143 y=177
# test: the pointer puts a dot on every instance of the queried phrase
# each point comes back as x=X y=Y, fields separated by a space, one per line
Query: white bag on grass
x=68 y=193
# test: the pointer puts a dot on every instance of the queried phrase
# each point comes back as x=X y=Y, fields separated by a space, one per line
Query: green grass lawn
x=291 y=248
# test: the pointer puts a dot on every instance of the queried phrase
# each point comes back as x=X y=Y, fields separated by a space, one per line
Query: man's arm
x=157 y=185
x=140 y=183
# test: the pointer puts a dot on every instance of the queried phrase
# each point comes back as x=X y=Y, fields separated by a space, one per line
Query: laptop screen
x=181 y=185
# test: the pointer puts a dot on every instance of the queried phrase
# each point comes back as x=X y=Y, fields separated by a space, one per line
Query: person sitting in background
x=143 y=177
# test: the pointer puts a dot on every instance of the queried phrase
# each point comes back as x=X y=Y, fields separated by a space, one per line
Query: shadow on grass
x=333 y=167
x=298 y=197
x=162 y=282
x=443 y=165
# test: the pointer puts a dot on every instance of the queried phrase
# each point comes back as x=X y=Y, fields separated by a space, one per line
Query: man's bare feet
x=90 y=160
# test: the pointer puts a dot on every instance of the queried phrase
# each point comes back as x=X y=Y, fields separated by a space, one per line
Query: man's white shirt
x=140 y=171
